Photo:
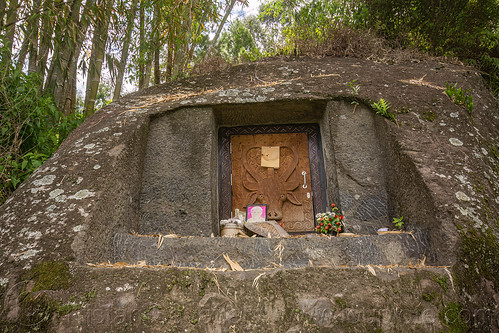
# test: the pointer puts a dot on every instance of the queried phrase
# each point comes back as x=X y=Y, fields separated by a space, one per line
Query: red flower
x=335 y=216
x=321 y=224
x=327 y=227
x=330 y=219
x=341 y=217
x=339 y=229
x=317 y=227
x=282 y=224
x=338 y=223
x=332 y=205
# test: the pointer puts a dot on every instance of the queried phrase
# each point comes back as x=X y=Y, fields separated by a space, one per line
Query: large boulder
x=148 y=166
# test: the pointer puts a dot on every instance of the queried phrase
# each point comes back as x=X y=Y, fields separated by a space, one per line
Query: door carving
x=285 y=188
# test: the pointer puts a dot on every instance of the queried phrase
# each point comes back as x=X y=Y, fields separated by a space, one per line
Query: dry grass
x=342 y=41
x=210 y=64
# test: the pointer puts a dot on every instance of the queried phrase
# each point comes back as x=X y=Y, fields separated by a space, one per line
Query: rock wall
x=440 y=172
x=178 y=193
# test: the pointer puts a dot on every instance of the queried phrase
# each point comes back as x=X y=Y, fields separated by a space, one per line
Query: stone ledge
x=252 y=253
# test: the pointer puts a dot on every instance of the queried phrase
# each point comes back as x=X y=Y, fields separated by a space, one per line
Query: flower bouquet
x=330 y=222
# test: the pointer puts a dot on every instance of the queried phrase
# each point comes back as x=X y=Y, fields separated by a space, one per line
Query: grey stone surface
x=178 y=182
x=394 y=249
x=360 y=167
x=441 y=175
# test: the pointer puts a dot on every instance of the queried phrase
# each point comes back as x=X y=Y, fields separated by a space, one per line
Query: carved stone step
x=250 y=253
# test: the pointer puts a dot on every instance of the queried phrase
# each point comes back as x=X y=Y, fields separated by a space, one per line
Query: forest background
x=47 y=45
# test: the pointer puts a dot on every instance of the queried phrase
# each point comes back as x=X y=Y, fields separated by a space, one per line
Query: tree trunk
x=30 y=42
x=33 y=46
x=10 y=25
x=58 y=80
x=96 y=59
x=147 y=74
x=141 y=45
x=183 y=49
x=46 y=32
x=171 y=48
x=124 y=52
x=69 y=90
x=21 y=59
x=3 y=5
x=221 y=25
x=155 y=43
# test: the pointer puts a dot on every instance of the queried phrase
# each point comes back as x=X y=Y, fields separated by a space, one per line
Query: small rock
x=455 y=142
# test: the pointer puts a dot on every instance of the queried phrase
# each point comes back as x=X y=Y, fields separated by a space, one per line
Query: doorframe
x=316 y=158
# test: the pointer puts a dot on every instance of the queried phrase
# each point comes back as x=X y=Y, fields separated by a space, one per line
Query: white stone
x=89 y=146
x=96 y=167
x=27 y=254
x=3 y=282
x=55 y=193
x=454 y=115
x=34 y=234
x=82 y=212
x=61 y=198
x=47 y=180
x=105 y=129
x=82 y=194
x=78 y=228
x=461 y=196
x=455 y=142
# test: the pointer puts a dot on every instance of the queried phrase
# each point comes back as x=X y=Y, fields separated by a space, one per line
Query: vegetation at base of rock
x=398 y=222
x=459 y=96
x=31 y=126
x=381 y=107
x=442 y=281
x=451 y=317
x=465 y=29
x=429 y=115
x=65 y=309
x=50 y=275
x=429 y=297
x=480 y=252
x=354 y=87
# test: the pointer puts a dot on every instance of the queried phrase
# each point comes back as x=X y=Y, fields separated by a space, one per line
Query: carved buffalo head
x=272 y=189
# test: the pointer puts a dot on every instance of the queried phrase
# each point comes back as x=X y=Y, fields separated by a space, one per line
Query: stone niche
x=362 y=167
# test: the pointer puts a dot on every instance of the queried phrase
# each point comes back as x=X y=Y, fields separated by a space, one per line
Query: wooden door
x=285 y=188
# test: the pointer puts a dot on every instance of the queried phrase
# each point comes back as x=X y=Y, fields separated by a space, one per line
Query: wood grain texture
x=281 y=189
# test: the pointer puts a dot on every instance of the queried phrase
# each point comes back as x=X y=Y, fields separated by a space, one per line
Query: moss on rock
x=50 y=275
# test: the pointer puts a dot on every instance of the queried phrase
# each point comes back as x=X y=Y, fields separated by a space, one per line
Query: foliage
x=466 y=29
x=382 y=107
x=398 y=222
x=330 y=222
x=31 y=126
x=50 y=275
x=459 y=96
x=103 y=97
x=354 y=86
x=451 y=316
x=238 y=42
